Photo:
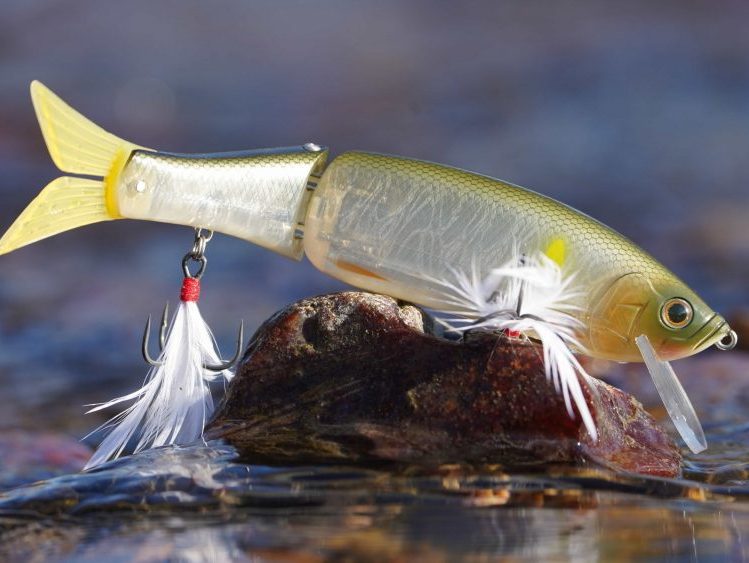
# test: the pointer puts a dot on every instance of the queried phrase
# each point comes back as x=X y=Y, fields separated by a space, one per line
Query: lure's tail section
x=77 y=146
x=66 y=203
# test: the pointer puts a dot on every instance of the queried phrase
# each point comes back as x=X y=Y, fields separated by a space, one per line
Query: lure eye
x=676 y=313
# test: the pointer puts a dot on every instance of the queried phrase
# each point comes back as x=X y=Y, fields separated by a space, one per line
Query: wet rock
x=717 y=384
x=26 y=457
x=355 y=377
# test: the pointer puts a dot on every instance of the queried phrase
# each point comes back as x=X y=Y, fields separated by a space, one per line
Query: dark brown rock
x=354 y=377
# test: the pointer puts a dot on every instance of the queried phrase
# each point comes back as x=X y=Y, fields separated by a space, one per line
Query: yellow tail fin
x=77 y=146
x=66 y=203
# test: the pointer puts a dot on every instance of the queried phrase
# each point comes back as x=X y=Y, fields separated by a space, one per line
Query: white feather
x=175 y=401
x=547 y=302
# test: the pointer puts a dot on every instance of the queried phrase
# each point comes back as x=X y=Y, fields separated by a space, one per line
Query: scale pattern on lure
x=487 y=253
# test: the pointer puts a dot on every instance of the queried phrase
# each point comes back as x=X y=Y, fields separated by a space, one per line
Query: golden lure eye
x=676 y=313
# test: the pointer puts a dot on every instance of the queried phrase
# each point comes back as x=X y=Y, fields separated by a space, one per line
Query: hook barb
x=164 y=324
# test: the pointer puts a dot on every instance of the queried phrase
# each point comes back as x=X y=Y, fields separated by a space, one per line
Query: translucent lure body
x=259 y=196
x=382 y=223
x=399 y=226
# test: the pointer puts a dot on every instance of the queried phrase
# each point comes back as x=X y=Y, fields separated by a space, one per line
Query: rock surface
x=355 y=377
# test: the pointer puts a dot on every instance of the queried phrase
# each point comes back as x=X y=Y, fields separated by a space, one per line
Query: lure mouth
x=714 y=332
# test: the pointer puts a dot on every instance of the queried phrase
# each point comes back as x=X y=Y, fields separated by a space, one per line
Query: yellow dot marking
x=556 y=251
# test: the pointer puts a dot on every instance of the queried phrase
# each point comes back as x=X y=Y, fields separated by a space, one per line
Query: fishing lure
x=486 y=253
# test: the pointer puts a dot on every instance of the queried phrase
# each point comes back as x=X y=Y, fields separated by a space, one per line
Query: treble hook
x=162 y=339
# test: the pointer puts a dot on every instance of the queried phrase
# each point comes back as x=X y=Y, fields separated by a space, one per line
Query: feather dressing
x=175 y=401
x=530 y=295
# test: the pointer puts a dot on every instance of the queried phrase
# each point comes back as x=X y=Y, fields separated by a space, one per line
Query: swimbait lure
x=487 y=253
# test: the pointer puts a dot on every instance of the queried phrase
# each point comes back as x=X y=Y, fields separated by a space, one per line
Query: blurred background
x=636 y=113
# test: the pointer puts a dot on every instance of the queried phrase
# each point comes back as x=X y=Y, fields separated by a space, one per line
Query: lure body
x=382 y=223
x=397 y=226
x=430 y=234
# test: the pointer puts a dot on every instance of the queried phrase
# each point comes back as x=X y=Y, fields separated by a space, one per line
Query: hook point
x=229 y=364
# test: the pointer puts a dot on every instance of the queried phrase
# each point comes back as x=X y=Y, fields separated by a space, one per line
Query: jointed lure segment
x=437 y=236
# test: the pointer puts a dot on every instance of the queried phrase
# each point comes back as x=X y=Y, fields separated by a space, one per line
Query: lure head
x=673 y=317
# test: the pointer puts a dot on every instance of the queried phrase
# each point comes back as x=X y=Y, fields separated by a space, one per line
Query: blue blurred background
x=636 y=113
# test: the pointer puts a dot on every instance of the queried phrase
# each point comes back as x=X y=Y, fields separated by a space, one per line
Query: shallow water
x=198 y=504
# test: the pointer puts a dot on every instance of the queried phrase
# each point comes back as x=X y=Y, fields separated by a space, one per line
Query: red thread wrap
x=190 y=290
